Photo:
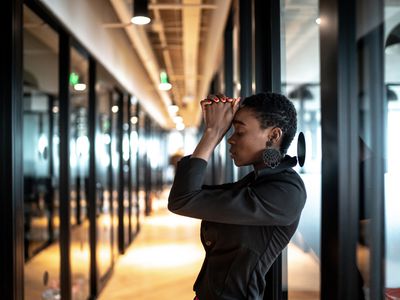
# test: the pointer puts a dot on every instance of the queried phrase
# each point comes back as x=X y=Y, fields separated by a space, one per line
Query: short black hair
x=273 y=109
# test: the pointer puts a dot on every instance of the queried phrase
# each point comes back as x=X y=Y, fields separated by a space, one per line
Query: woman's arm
x=277 y=200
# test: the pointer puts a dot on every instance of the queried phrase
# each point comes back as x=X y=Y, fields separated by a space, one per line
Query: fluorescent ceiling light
x=80 y=87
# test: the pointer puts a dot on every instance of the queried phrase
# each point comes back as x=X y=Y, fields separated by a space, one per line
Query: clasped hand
x=218 y=113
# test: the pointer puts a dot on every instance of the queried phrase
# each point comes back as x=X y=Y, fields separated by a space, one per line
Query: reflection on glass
x=301 y=83
x=79 y=169
x=40 y=159
x=392 y=176
x=126 y=168
x=105 y=237
x=134 y=152
x=114 y=168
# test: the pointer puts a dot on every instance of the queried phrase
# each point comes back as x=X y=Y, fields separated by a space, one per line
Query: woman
x=246 y=224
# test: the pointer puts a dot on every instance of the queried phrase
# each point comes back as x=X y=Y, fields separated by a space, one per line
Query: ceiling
x=183 y=39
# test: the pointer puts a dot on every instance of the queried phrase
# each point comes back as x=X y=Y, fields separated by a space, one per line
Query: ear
x=275 y=135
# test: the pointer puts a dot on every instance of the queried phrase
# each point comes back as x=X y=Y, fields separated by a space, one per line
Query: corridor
x=163 y=261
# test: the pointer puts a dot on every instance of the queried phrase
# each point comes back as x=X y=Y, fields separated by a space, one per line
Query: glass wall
x=105 y=239
x=301 y=83
x=114 y=168
x=126 y=167
x=40 y=158
x=134 y=148
x=79 y=170
x=392 y=175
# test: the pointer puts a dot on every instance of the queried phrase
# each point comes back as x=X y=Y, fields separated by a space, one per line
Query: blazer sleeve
x=276 y=201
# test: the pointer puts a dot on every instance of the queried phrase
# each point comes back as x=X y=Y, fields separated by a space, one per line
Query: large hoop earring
x=271 y=156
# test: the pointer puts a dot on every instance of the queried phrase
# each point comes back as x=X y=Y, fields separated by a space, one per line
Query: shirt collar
x=286 y=163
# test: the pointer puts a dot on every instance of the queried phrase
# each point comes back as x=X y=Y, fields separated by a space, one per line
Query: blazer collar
x=286 y=163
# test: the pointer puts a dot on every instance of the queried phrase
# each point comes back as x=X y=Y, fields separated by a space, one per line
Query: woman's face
x=248 y=140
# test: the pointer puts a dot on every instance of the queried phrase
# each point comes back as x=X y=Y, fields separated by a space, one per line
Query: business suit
x=245 y=224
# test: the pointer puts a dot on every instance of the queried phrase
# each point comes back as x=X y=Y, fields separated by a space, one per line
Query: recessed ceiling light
x=115 y=109
x=80 y=87
x=173 y=109
x=178 y=119
x=140 y=20
x=180 y=126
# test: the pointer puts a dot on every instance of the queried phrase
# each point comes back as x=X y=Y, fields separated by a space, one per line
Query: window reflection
x=104 y=213
x=301 y=83
x=79 y=170
x=392 y=176
x=40 y=158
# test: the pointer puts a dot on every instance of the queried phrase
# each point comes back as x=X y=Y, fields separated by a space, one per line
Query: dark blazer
x=246 y=224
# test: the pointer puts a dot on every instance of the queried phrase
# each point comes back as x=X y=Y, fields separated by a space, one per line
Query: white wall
x=111 y=47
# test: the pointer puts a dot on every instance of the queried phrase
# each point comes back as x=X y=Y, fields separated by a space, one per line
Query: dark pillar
x=228 y=77
x=92 y=191
x=65 y=209
x=268 y=79
x=340 y=157
x=121 y=181
x=11 y=173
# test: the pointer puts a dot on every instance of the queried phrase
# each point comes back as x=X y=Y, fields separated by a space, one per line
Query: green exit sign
x=73 y=78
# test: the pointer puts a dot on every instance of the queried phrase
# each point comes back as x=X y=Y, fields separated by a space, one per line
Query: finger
x=210 y=97
x=235 y=104
x=205 y=102
x=222 y=97
x=230 y=100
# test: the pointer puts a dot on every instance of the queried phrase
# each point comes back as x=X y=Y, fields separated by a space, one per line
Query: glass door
x=79 y=170
x=301 y=83
x=392 y=174
x=104 y=223
x=40 y=158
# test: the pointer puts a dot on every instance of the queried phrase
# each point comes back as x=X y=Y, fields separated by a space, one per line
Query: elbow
x=173 y=206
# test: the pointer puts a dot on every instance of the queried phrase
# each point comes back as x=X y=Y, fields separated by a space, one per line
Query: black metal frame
x=228 y=82
x=246 y=47
x=340 y=152
x=11 y=173
x=246 y=56
x=120 y=134
x=268 y=79
x=65 y=209
x=92 y=181
x=137 y=187
x=129 y=163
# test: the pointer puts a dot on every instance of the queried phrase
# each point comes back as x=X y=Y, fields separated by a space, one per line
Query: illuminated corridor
x=162 y=263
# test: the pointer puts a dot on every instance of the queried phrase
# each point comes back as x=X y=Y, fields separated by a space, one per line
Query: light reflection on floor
x=163 y=261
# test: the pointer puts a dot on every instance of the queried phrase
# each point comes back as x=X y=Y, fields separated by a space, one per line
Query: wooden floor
x=163 y=262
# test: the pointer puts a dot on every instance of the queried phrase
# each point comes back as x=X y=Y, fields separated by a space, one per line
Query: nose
x=230 y=140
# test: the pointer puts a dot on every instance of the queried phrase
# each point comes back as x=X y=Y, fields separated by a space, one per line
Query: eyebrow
x=235 y=121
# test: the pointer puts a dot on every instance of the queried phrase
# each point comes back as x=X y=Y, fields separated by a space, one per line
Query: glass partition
x=114 y=168
x=392 y=175
x=40 y=158
x=134 y=149
x=126 y=167
x=301 y=83
x=105 y=238
x=79 y=170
